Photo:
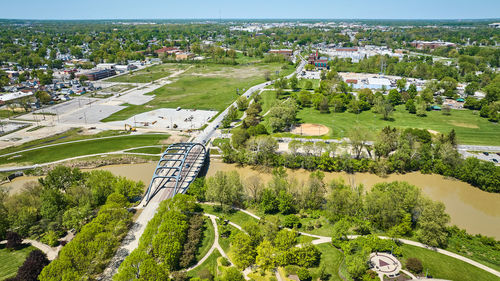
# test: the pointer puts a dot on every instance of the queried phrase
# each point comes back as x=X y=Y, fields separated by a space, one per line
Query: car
x=486 y=153
x=498 y=153
x=494 y=160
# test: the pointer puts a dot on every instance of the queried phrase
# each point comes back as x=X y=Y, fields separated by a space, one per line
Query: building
x=106 y=66
x=494 y=25
x=99 y=74
x=13 y=96
x=287 y=53
x=317 y=61
x=167 y=51
x=184 y=56
x=124 y=68
x=431 y=44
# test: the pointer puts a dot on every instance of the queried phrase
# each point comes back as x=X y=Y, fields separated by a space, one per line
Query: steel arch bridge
x=178 y=167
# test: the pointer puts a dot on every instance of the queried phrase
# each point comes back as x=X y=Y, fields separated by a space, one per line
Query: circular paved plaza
x=385 y=264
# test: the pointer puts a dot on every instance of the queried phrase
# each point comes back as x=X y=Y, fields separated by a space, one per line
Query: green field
x=441 y=266
x=63 y=151
x=331 y=258
x=210 y=264
x=10 y=261
x=148 y=74
x=268 y=99
x=69 y=135
x=204 y=86
x=302 y=83
x=148 y=150
x=470 y=128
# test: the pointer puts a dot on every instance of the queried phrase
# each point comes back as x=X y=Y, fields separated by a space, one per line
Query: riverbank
x=470 y=208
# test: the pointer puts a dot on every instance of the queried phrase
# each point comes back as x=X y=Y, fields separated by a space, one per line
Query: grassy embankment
x=64 y=151
x=205 y=86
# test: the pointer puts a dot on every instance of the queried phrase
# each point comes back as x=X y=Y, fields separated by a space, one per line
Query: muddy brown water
x=470 y=208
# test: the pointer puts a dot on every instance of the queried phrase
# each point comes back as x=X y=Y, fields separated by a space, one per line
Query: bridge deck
x=177 y=168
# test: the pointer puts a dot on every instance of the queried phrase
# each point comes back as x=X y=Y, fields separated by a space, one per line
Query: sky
x=252 y=9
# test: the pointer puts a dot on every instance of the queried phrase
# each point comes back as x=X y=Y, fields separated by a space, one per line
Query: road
x=209 y=131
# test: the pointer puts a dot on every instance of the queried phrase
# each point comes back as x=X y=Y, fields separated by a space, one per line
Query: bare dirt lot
x=308 y=129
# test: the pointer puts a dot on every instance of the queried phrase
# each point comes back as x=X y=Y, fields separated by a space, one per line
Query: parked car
x=494 y=160
x=486 y=153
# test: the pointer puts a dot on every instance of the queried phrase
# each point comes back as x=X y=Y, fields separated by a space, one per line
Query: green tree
x=432 y=224
x=244 y=252
x=239 y=137
x=294 y=82
x=410 y=106
x=265 y=255
x=394 y=97
x=225 y=188
x=242 y=103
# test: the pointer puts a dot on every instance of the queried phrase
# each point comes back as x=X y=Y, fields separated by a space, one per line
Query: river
x=470 y=208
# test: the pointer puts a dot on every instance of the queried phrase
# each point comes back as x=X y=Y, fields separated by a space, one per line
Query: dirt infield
x=310 y=130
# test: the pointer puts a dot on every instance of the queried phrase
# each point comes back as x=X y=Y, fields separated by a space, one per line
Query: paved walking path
x=215 y=245
x=51 y=252
x=124 y=151
x=326 y=239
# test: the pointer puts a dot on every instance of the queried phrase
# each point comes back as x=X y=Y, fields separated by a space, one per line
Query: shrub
x=205 y=274
x=414 y=265
x=194 y=236
x=14 y=240
x=304 y=274
x=291 y=221
x=224 y=262
x=32 y=266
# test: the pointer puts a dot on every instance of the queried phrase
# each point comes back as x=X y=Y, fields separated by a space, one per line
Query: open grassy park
x=68 y=150
x=205 y=86
x=440 y=266
x=148 y=74
x=10 y=261
x=470 y=128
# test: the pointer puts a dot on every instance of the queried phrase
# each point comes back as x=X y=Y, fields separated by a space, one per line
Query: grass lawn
x=10 y=261
x=331 y=258
x=208 y=239
x=210 y=264
x=470 y=128
x=441 y=266
x=268 y=99
x=237 y=217
x=69 y=135
x=205 y=86
x=148 y=150
x=63 y=151
x=302 y=83
x=148 y=74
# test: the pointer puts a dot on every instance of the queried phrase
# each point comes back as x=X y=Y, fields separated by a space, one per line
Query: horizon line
x=218 y=19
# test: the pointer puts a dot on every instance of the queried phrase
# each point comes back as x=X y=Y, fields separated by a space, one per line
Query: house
x=184 y=56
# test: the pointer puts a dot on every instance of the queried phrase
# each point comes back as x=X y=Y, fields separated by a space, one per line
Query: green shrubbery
x=90 y=251
x=162 y=247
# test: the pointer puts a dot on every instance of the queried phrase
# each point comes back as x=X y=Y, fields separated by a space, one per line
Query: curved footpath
x=124 y=151
x=325 y=239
